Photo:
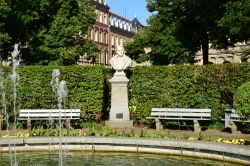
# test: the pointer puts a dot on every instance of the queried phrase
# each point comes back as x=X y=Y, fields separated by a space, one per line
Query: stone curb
x=200 y=149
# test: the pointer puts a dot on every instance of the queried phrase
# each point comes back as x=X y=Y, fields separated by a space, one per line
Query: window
x=116 y=41
x=129 y=28
x=91 y=34
x=105 y=18
x=121 y=24
x=100 y=16
x=100 y=37
x=112 y=21
x=105 y=38
x=112 y=40
x=105 y=56
x=96 y=35
x=125 y=26
x=121 y=41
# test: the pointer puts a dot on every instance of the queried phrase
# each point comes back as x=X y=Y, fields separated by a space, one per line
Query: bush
x=186 y=86
x=242 y=100
x=85 y=86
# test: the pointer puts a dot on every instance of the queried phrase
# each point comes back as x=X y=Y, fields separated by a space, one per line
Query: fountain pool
x=108 y=159
x=85 y=150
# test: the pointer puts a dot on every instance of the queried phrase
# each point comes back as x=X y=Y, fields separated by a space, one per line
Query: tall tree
x=165 y=49
x=192 y=22
x=236 y=21
x=4 y=36
x=64 y=40
x=179 y=28
x=51 y=30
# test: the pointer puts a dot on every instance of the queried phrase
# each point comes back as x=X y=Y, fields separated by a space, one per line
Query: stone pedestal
x=197 y=126
x=236 y=127
x=119 y=113
x=158 y=125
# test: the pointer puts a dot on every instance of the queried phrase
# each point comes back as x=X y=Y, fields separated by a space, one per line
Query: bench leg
x=158 y=125
x=1 y=121
x=67 y=123
x=197 y=126
x=235 y=128
x=29 y=125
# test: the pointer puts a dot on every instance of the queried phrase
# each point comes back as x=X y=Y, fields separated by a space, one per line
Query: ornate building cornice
x=100 y=6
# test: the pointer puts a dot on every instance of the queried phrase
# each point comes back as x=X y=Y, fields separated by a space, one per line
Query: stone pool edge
x=199 y=149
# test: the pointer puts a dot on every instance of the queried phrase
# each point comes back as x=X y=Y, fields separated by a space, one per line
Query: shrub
x=186 y=86
x=242 y=100
x=85 y=86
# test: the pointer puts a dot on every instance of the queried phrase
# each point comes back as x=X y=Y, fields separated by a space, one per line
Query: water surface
x=107 y=159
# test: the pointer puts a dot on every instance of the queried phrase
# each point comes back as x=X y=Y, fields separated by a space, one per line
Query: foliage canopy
x=179 y=28
x=49 y=30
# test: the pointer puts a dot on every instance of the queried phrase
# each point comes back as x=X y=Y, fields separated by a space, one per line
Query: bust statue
x=120 y=61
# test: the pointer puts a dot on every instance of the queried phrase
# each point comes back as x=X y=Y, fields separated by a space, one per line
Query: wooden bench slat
x=181 y=114
x=180 y=110
x=46 y=118
x=179 y=118
x=43 y=114
x=48 y=115
x=49 y=110
x=234 y=116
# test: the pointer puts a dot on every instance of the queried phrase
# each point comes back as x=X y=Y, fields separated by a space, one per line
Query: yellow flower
x=192 y=138
x=219 y=139
x=8 y=136
x=132 y=108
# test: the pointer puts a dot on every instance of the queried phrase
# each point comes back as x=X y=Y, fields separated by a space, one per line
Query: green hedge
x=242 y=100
x=189 y=86
x=210 y=86
x=85 y=86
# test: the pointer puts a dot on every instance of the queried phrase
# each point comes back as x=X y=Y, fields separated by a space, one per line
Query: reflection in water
x=108 y=159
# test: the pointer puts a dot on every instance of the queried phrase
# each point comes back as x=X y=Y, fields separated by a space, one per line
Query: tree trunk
x=205 y=48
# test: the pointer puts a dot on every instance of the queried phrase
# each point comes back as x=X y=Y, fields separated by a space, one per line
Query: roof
x=114 y=14
x=136 y=23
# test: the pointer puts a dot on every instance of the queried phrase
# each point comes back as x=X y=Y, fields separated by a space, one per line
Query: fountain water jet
x=60 y=90
x=5 y=113
x=16 y=59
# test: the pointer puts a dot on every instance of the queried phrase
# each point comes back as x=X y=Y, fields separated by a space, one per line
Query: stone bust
x=120 y=61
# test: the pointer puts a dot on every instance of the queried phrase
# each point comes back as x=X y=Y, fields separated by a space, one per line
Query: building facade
x=120 y=31
x=109 y=31
x=230 y=55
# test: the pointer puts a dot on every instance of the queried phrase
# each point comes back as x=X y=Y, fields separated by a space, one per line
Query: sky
x=130 y=8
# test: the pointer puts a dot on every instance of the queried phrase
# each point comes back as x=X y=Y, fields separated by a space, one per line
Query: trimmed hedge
x=242 y=100
x=210 y=86
x=85 y=86
x=190 y=86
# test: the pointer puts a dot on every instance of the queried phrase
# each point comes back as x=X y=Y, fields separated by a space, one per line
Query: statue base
x=120 y=124
x=119 y=113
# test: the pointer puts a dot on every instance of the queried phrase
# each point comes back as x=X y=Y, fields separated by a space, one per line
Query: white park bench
x=48 y=114
x=233 y=120
x=180 y=114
